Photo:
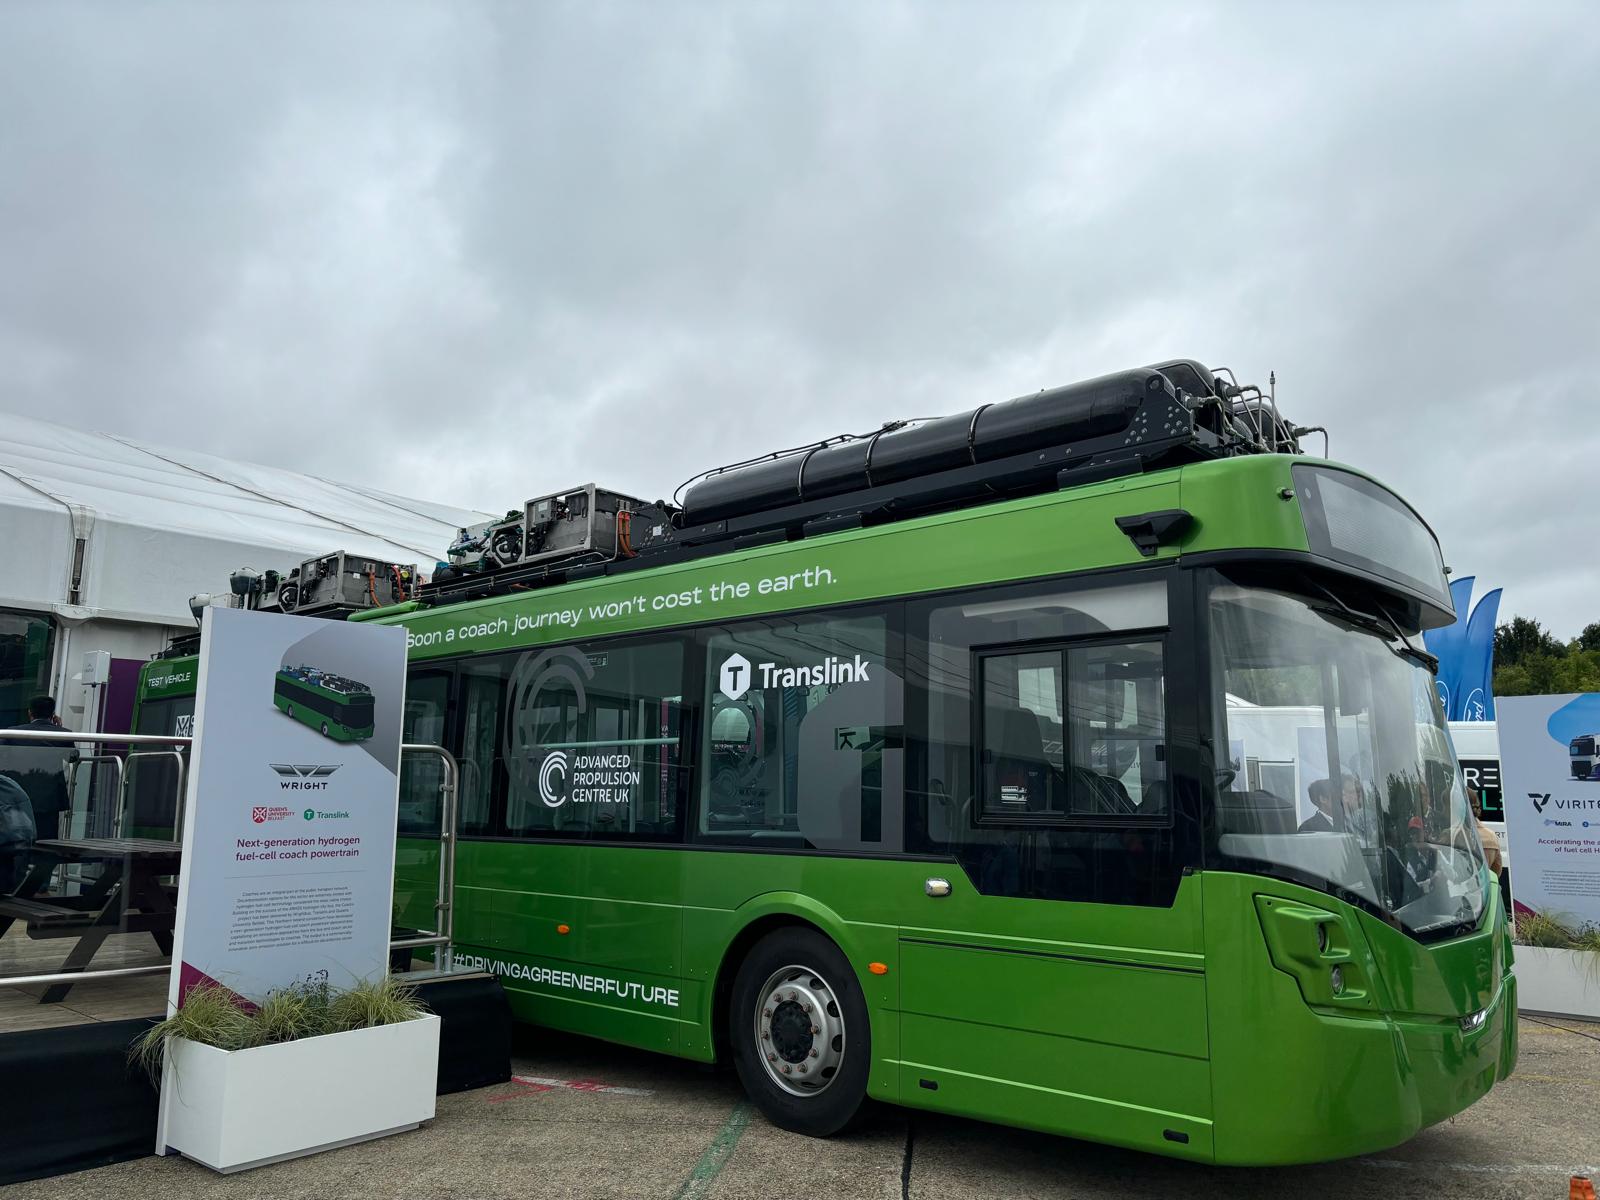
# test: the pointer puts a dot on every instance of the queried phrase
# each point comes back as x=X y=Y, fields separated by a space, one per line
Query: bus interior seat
x=1256 y=812
x=1099 y=795
x=1020 y=761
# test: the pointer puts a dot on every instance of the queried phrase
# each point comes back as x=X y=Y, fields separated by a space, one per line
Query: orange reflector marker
x=1580 y=1187
x=563 y=928
x=878 y=968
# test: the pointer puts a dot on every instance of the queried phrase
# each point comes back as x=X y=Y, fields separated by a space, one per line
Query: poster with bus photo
x=1550 y=782
x=289 y=833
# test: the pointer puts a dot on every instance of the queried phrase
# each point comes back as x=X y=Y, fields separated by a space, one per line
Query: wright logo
x=304 y=777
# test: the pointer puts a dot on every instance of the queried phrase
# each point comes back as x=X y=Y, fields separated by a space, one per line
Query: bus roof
x=1247 y=504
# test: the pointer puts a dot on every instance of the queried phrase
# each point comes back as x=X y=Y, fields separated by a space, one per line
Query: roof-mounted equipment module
x=338 y=584
x=484 y=547
x=1120 y=424
x=580 y=528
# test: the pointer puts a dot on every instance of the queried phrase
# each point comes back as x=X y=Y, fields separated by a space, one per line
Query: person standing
x=40 y=767
x=1489 y=839
x=1322 y=797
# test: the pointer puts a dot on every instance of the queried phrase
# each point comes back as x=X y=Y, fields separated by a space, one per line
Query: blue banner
x=1465 y=651
x=1446 y=644
x=1476 y=678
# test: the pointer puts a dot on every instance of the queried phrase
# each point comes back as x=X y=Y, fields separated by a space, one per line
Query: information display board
x=1550 y=771
x=289 y=829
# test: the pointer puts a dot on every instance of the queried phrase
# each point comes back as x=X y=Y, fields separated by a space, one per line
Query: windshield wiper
x=1386 y=629
x=1406 y=650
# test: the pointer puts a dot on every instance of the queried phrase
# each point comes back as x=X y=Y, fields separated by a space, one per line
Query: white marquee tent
x=109 y=536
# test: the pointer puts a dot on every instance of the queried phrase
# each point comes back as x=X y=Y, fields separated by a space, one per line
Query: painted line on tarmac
x=1481 y=1168
x=717 y=1154
x=534 y=1085
x=581 y=1085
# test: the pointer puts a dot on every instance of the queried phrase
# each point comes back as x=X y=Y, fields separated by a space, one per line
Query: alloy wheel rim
x=799 y=1030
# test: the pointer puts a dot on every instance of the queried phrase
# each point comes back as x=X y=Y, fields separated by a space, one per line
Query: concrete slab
x=592 y=1120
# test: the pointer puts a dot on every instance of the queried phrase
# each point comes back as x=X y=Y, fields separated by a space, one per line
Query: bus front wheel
x=799 y=1031
x=324 y=729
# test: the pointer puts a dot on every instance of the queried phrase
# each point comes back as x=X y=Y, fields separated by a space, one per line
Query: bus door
x=1053 y=973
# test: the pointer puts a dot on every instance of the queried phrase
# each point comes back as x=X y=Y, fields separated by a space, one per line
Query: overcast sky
x=477 y=252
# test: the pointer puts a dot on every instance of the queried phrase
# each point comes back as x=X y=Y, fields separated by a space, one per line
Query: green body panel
x=1379 y=1075
x=1113 y=1023
x=1238 y=505
x=416 y=882
x=165 y=677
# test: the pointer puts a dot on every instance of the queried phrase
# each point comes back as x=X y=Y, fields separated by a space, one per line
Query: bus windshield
x=1338 y=766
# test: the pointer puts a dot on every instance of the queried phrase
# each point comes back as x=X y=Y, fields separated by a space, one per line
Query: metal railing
x=128 y=776
x=111 y=760
x=70 y=740
x=444 y=906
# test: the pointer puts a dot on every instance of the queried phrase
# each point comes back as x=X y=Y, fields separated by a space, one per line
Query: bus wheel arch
x=738 y=949
x=823 y=1047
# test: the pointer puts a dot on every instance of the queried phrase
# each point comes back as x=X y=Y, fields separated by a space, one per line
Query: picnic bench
x=127 y=897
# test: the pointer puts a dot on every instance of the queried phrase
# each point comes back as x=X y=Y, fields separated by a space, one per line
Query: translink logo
x=738 y=674
x=735 y=680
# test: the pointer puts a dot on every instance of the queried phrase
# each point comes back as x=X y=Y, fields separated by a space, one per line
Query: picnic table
x=128 y=897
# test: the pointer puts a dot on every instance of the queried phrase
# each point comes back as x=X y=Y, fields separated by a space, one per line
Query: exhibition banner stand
x=1550 y=772
x=287 y=881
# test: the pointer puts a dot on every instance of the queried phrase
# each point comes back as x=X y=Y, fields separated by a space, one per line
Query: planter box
x=248 y=1108
x=1564 y=982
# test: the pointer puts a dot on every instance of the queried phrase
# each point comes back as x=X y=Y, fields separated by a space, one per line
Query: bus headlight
x=1336 y=980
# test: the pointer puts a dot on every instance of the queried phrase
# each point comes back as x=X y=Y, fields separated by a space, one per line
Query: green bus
x=338 y=708
x=163 y=706
x=1069 y=764
x=960 y=784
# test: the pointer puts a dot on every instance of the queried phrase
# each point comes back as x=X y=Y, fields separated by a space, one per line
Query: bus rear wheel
x=800 y=1035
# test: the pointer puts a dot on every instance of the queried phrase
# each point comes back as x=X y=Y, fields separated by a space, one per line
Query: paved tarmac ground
x=592 y=1120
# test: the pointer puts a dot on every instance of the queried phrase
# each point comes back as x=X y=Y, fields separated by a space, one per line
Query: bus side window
x=1041 y=758
x=804 y=746
x=423 y=723
x=482 y=701
x=593 y=742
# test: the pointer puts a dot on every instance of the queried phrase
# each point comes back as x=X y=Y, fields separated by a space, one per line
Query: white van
x=1478 y=748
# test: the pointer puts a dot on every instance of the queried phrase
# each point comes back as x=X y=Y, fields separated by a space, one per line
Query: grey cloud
x=477 y=251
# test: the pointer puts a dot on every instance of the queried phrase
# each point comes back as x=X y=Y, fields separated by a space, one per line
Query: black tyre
x=798 y=1026
x=324 y=729
x=288 y=710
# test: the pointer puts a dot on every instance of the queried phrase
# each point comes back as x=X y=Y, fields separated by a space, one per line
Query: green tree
x=1575 y=670
x=1522 y=638
x=1589 y=639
